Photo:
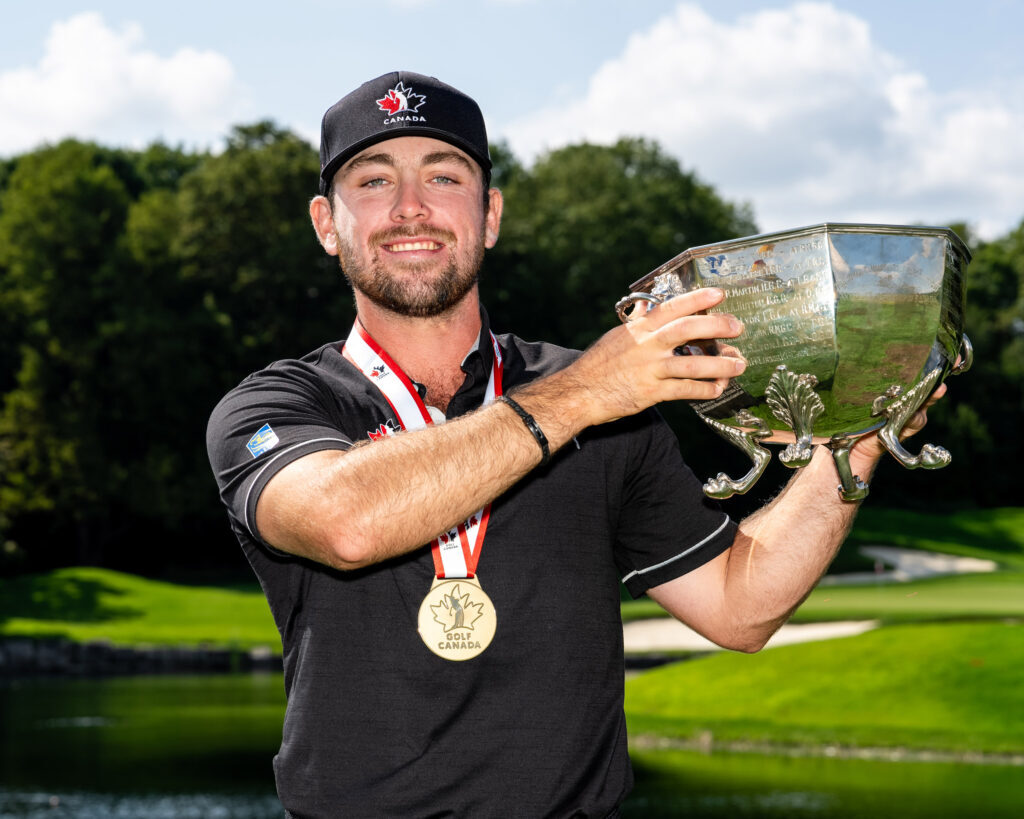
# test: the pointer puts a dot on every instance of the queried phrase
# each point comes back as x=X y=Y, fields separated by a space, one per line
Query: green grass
x=83 y=604
x=991 y=534
x=945 y=673
x=953 y=686
x=969 y=596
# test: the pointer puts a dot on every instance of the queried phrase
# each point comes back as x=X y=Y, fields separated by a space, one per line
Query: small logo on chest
x=383 y=431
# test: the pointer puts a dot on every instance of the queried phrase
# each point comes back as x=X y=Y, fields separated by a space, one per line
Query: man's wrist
x=558 y=404
x=531 y=424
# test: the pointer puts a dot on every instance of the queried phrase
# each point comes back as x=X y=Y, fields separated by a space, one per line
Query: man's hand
x=634 y=366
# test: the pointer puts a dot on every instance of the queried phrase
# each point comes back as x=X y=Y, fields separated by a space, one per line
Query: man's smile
x=406 y=247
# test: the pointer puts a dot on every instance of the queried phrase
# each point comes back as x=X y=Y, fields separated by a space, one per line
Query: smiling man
x=440 y=516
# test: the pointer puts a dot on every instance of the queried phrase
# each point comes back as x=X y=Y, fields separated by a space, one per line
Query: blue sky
x=893 y=112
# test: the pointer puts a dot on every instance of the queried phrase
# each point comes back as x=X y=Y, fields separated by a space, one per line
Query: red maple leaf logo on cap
x=392 y=103
x=401 y=98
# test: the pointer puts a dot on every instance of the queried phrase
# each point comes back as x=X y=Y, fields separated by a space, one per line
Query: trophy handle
x=723 y=486
x=628 y=301
x=966 y=358
x=898 y=412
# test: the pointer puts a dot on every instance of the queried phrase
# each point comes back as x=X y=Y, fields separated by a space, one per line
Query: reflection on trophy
x=849 y=328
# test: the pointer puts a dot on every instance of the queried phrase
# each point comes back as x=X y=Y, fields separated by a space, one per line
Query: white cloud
x=800 y=112
x=95 y=82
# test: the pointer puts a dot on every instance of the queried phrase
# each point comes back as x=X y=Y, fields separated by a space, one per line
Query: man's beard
x=409 y=294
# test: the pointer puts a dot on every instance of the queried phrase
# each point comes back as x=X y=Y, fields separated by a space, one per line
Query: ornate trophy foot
x=899 y=412
x=799 y=454
x=851 y=487
x=794 y=402
x=723 y=486
x=934 y=457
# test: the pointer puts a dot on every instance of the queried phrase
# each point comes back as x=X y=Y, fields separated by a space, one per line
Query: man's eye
x=444 y=180
x=374 y=183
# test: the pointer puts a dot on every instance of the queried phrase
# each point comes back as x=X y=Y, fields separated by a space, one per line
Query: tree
x=583 y=223
x=137 y=288
x=981 y=419
x=245 y=240
x=60 y=217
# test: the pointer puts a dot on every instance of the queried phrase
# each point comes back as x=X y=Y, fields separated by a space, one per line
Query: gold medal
x=457 y=619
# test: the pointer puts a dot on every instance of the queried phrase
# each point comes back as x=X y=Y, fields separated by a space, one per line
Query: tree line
x=138 y=286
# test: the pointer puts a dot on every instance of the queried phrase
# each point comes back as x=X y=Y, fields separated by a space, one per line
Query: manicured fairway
x=941 y=598
x=84 y=604
x=991 y=534
x=953 y=686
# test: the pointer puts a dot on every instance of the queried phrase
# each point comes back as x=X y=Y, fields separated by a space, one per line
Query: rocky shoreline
x=33 y=656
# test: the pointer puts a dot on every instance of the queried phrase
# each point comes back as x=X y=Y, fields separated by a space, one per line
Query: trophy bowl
x=849 y=328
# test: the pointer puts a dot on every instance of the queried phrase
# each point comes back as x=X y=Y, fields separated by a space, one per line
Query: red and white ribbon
x=457 y=551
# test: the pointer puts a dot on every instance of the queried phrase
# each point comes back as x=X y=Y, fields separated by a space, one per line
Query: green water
x=183 y=747
x=745 y=786
x=166 y=747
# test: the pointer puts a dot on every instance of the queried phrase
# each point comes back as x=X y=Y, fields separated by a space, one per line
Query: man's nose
x=410 y=202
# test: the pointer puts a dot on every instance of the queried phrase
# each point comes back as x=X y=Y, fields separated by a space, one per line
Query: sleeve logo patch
x=265 y=439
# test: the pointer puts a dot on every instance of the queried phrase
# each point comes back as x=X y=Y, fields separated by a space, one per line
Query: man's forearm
x=782 y=550
x=740 y=598
x=384 y=498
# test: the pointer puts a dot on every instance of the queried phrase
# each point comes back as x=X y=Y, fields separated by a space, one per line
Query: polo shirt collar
x=477 y=367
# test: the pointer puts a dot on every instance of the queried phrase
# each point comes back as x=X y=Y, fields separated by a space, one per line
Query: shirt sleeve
x=271 y=419
x=667 y=526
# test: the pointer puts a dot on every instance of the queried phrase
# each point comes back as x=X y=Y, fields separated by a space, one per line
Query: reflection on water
x=141 y=747
x=14 y=805
x=201 y=746
x=751 y=786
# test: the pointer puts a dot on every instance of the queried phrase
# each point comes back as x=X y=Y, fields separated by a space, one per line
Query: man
x=416 y=686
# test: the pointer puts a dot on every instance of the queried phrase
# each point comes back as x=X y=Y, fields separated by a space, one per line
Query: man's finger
x=703 y=367
x=699 y=327
x=685 y=304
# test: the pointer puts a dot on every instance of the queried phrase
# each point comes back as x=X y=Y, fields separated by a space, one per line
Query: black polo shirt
x=378 y=725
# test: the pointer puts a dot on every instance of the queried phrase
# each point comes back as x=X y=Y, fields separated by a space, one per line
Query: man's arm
x=349 y=509
x=741 y=598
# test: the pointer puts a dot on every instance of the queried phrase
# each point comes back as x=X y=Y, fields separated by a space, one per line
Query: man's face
x=410 y=226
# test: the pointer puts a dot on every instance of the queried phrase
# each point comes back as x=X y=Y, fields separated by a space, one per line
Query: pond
x=754 y=786
x=174 y=747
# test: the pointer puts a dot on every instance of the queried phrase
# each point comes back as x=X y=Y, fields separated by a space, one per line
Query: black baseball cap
x=400 y=104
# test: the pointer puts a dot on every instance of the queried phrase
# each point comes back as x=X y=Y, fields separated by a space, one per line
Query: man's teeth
x=407 y=246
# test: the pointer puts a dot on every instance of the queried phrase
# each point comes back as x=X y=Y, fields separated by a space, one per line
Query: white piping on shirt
x=683 y=553
x=251 y=526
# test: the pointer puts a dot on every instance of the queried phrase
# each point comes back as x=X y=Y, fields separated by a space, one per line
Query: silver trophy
x=849 y=328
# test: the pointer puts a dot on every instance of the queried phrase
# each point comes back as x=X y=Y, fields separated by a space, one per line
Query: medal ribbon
x=457 y=551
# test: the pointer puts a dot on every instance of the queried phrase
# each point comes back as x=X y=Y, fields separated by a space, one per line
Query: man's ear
x=323 y=224
x=492 y=222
